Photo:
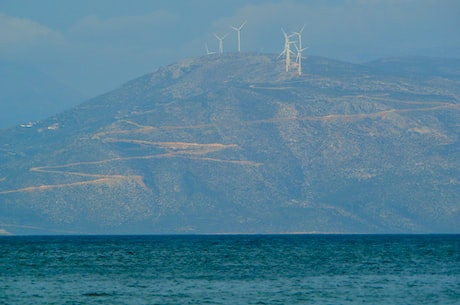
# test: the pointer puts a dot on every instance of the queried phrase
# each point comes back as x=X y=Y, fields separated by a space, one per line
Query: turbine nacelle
x=238 y=28
x=221 y=42
x=299 y=32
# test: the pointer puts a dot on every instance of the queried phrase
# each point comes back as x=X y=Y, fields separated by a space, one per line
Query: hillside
x=232 y=143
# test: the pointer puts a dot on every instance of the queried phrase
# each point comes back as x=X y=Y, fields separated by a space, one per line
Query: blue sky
x=94 y=46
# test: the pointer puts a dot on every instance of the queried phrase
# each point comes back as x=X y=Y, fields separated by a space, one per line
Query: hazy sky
x=96 y=45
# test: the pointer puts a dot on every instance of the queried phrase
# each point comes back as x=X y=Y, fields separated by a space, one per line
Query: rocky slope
x=233 y=143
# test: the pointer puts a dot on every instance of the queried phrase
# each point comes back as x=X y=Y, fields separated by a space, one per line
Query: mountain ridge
x=233 y=143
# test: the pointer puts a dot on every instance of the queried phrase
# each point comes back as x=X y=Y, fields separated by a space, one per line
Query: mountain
x=27 y=94
x=232 y=143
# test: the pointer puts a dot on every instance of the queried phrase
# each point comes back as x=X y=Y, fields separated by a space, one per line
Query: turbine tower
x=287 y=49
x=221 y=42
x=299 y=59
x=238 y=31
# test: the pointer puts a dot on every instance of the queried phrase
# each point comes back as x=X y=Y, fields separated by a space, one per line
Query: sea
x=230 y=269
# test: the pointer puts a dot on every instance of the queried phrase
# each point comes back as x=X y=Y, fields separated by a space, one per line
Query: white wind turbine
x=238 y=31
x=299 y=50
x=299 y=35
x=299 y=59
x=207 y=50
x=221 y=42
x=287 y=49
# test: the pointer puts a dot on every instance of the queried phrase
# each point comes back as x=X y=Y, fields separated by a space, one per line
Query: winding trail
x=322 y=118
x=190 y=150
x=174 y=149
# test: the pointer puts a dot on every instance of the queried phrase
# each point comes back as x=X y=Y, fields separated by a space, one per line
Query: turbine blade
x=301 y=30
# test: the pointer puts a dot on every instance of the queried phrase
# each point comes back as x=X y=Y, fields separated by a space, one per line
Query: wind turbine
x=299 y=59
x=299 y=35
x=207 y=50
x=299 y=49
x=221 y=42
x=238 y=31
x=287 y=49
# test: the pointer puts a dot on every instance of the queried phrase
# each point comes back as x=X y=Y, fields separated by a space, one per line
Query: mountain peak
x=222 y=68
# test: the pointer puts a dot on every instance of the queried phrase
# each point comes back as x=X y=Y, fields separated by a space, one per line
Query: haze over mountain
x=233 y=143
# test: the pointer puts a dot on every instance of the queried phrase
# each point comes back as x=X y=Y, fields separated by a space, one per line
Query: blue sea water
x=239 y=269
